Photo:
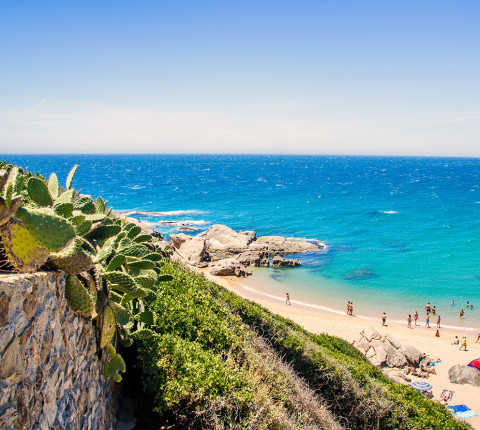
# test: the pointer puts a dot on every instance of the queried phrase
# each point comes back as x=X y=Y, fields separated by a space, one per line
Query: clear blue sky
x=327 y=77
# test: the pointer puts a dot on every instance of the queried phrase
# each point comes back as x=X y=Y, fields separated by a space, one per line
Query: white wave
x=134 y=212
x=179 y=223
x=137 y=187
x=342 y=312
x=390 y=212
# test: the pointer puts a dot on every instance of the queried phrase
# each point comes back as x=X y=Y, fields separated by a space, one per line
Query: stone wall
x=50 y=373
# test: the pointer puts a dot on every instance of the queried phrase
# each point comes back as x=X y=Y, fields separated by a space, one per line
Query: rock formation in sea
x=242 y=248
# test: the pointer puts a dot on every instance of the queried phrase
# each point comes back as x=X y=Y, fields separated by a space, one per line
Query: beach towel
x=462 y=411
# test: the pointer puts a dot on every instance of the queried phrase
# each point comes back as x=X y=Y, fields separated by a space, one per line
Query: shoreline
x=336 y=323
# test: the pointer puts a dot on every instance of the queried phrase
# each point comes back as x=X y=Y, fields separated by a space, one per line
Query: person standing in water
x=287 y=299
x=438 y=322
x=427 y=321
x=384 y=319
x=415 y=317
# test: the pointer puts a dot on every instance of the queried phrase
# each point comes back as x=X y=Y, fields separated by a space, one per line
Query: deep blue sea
x=401 y=231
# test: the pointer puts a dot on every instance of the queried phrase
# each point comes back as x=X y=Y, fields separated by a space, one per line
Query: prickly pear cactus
x=51 y=230
x=78 y=298
x=38 y=192
x=113 y=365
x=24 y=252
x=107 y=326
x=7 y=212
x=73 y=259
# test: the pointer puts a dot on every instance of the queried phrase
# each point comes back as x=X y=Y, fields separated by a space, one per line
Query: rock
x=250 y=235
x=12 y=365
x=188 y=229
x=4 y=306
x=359 y=274
x=223 y=241
x=370 y=353
x=396 y=360
x=413 y=355
x=370 y=334
x=250 y=258
x=191 y=249
x=278 y=245
x=380 y=357
x=363 y=345
x=464 y=375
x=285 y=262
x=229 y=267
x=394 y=342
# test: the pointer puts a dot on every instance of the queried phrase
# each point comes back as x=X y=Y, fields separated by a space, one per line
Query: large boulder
x=222 y=241
x=412 y=354
x=285 y=262
x=229 y=267
x=279 y=245
x=191 y=249
x=253 y=259
x=464 y=375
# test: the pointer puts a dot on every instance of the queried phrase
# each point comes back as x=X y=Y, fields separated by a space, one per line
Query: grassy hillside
x=216 y=360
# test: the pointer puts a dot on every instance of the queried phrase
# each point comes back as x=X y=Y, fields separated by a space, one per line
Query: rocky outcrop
x=278 y=245
x=229 y=267
x=253 y=259
x=191 y=249
x=188 y=229
x=50 y=373
x=146 y=228
x=464 y=375
x=285 y=262
x=386 y=351
x=221 y=241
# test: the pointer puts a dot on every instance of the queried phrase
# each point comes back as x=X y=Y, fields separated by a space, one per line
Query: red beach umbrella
x=475 y=363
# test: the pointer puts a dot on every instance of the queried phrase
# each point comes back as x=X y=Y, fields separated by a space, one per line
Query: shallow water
x=401 y=231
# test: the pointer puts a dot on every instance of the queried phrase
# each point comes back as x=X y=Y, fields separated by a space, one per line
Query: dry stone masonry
x=50 y=373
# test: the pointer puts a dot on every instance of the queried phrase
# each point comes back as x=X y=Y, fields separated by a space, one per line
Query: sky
x=290 y=77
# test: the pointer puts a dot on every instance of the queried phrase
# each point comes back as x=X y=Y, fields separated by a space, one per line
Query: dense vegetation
x=216 y=360
x=206 y=357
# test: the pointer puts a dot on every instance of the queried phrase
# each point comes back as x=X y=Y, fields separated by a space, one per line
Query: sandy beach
x=349 y=327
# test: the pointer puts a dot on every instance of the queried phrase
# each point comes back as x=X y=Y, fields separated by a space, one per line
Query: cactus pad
x=113 y=365
x=122 y=315
x=84 y=204
x=143 y=238
x=24 y=252
x=107 y=326
x=65 y=197
x=52 y=231
x=78 y=298
x=116 y=262
x=63 y=209
x=7 y=213
x=73 y=262
x=124 y=283
x=38 y=192
x=137 y=250
x=134 y=232
x=70 y=176
x=53 y=185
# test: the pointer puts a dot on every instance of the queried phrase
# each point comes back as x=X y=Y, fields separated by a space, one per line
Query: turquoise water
x=401 y=231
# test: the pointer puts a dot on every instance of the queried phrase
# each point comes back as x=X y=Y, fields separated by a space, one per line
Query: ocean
x=401 y=231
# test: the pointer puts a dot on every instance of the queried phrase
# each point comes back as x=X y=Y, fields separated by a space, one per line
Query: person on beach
x=351 y=308
x=478 y=337
x=409 y=321
x=348 y=307
x=287 y=299
x=384 y=319
x=415 y=318
x=453 y=302
x=437 y=333
x=456 y=341
x=438 y=322
x=461 y=313
x=464 y=344
x=427 y=321
x=468 y=304
x=434 y=310
x=427 y=308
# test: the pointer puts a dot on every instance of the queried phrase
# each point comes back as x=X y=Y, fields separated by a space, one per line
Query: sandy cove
x=349 y=327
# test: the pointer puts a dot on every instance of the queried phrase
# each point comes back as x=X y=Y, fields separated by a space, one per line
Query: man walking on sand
x=464 y=344
x=384 y=318
x=287 y=299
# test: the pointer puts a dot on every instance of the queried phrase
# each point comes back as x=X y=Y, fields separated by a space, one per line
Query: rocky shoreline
x=226 y=252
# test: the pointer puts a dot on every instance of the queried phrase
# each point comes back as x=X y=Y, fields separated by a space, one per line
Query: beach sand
x=349 y=327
